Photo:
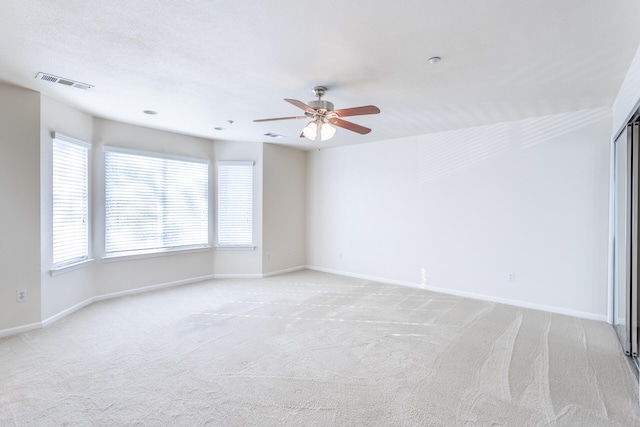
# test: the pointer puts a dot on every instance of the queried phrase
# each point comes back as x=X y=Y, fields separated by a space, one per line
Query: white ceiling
x=203 y=62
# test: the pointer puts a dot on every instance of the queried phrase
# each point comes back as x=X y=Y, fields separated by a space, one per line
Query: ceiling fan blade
x=358 y=111
x=301 y=105
x=280 y=118
x=350 y=126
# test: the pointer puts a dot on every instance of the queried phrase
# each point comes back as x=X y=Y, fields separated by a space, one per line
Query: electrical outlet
x=512 y=277
x=21 y=295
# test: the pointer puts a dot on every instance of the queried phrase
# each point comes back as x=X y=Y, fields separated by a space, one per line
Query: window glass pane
x=235 y=203
x=154 y=203
x=70 y=202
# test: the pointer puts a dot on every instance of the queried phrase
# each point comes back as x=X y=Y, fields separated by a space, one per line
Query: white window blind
x=235 y=203
x=154 y=202
x=70 y=200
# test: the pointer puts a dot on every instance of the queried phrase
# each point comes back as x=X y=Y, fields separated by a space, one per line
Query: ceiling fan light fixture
x=327 y=132
x=318 y=131
x=310 y=131
x=324 y=117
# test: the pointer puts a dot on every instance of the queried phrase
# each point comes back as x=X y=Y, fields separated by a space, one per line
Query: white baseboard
x=38 y=325
x=20 y=329
x=516 y=303
x=237 y=276
x=152 y=287
x=285 y=271
x=88 y=301
x=68 y=311
x=258 y=275
x=33 y=326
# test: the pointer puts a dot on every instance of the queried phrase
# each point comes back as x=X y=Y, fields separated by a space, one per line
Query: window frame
x=165 y=250
x=243 y=245
x=77 y=262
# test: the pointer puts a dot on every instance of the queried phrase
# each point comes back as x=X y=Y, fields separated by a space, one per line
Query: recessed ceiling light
x=150 y=112
x=434 y=60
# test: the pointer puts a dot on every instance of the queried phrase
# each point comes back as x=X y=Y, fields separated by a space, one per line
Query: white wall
x=628 y=98
x=126 y=274
x=73 y=287
x=460 y=210
x=26 y=123
x=233 y=262
x=20 y=206
x=455 y=211
x=284 y=218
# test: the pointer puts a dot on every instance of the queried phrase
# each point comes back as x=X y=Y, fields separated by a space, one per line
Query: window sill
x=235 y=248
x=121 y=256
x=70 y=267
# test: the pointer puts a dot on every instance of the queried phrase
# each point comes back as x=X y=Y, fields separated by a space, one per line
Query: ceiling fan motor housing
x=321 y=105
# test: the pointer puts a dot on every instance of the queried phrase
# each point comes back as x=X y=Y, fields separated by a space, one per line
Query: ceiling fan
x=323 y=115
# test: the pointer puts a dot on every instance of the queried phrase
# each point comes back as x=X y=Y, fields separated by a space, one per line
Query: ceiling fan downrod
x=319 y=104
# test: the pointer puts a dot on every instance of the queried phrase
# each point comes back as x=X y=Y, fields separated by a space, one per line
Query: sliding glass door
x=625 y=246
x=621 y=278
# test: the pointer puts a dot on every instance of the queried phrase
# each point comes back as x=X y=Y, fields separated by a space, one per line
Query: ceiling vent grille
x=273 y=135
x=63 y=81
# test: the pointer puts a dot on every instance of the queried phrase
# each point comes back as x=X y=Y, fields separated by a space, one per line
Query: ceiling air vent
x=63 y=81
x=273 y=135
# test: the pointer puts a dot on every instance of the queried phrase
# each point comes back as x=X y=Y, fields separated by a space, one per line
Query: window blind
x=235 y=203
x=70 y=200
x=154 y=202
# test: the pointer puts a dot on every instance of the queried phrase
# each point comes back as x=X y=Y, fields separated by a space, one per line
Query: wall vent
x=63 y=81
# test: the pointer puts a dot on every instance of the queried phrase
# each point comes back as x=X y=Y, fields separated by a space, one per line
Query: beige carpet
x=307 y=349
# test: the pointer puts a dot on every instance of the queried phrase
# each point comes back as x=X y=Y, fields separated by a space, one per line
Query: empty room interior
x=343 y=213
